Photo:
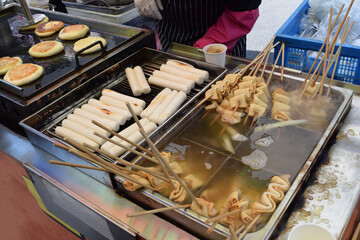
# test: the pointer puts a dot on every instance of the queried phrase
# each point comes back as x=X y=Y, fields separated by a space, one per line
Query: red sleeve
x=230 y=26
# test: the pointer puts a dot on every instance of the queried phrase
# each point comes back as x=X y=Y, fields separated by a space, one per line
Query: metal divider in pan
x=298 y=175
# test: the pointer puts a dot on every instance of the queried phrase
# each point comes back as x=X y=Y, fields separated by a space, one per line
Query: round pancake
x=73 y=32
x=82 y=43
x=48 y=28
x=31 y=27
x=23 y=74
x=8 y=62
x=46 y=49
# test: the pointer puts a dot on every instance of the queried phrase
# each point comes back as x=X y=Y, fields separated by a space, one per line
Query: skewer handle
x=76 y=165
x=157 y=210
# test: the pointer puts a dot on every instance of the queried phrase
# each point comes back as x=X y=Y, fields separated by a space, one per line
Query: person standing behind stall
x=201 y=22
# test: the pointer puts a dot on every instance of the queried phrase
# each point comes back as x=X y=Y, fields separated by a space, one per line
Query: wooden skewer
x=267 y=54
x=73 y=151
x=126 y=147
x=121 y=137
x=282 y=61
x=274 y=64
x=227 y=124
x=215 y=118
x=153 y=148
x=202 y=101
x=213 y=225
x=126 y=163
x=221 y=216
x=249 y=227
x=246 y=118
x=157 y=210
x=162 y=161
x=252 y=62
x=232 y=232
x=106 y=165
x=223 y=129
x=101 y=169
x=253 y=120
x=205 y=114
x=56 y=144
x=317 y=72
x=311 y=81
x=322 y=47
x=258 y=64
x=266 y=61
x=327 y=49
x=261 y=56
x=76 y=165
x=238 y=231
x=337 y=55
x=333 y=42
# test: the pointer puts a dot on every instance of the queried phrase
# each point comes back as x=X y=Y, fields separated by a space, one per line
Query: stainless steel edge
x=77 y=211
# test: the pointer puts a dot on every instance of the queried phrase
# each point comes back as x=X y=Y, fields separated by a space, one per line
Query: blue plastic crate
x=296 y=50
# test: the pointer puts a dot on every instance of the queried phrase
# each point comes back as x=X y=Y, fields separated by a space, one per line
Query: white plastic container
x=215 y=53
x=310 y=232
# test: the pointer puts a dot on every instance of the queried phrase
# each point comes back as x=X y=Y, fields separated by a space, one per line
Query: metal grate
x=122 y=86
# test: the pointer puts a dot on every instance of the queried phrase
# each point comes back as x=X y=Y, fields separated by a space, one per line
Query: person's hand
x=149 y=8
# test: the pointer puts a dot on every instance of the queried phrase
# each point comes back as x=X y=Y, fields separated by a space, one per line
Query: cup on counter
x=310 y=232
x=215 y=53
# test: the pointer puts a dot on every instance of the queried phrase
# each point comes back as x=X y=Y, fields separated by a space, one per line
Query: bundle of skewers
x=246 y=94
x=311 y=86
x=239 y=95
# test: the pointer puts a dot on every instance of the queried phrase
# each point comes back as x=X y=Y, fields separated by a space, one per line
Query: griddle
x=56 y=67
x=62 y=72
x=40 y=127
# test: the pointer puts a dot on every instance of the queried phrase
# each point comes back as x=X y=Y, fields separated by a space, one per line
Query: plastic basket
x=297 y=50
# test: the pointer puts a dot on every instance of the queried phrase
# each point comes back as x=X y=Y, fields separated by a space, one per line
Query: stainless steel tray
x=299 y=167
x=39 y=127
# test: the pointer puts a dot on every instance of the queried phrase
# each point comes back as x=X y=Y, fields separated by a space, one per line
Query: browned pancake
x=44 y=46
x=73 y=32
x=74 y=28
x=46 y=49
x=8 y=62
x=48 y=28
x=23 y=73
